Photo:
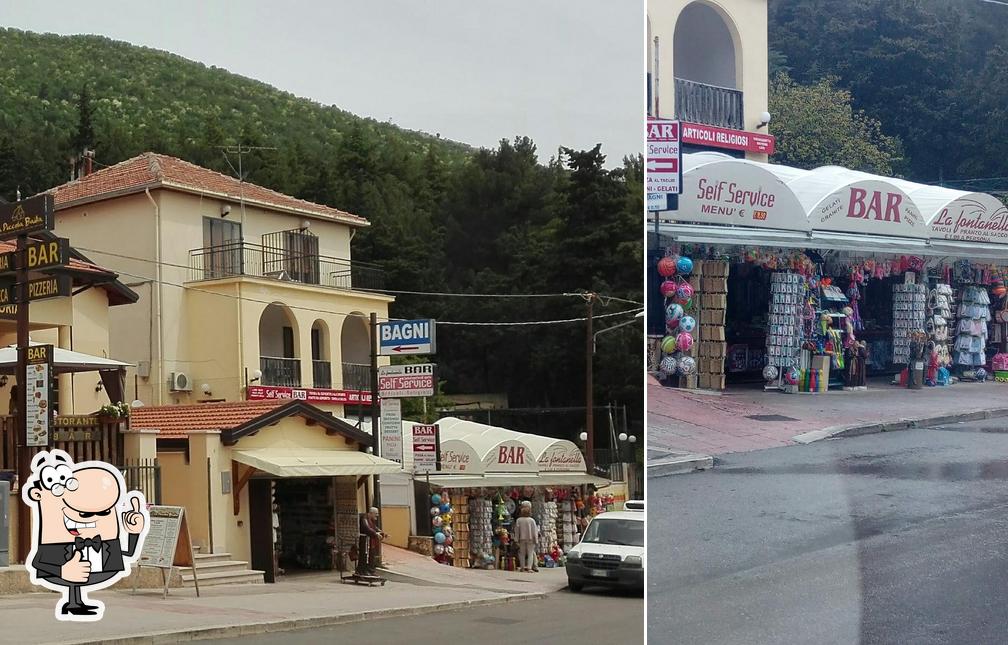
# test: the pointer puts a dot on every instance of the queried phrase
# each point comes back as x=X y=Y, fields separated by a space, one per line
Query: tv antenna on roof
x=240 y=150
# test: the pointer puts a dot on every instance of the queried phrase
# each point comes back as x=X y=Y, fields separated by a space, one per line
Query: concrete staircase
x=219 y=569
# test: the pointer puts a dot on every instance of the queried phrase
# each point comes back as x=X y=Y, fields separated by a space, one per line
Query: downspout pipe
x=159 y=387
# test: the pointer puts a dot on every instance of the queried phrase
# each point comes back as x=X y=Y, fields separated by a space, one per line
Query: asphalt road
x=563 y=618
x=889 y=538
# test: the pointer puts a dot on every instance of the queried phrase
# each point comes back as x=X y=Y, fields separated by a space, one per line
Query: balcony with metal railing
x=708 y=104
x=280 y=372
x=357 y=377
x=321 y=374
x=235 y=259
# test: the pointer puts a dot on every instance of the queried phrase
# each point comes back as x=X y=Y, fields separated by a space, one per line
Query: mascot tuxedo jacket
x=50 y=558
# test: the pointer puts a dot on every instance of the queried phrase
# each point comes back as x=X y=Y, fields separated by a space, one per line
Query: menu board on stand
x=38 y=406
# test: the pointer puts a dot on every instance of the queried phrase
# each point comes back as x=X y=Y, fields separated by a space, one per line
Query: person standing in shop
x=527 y=534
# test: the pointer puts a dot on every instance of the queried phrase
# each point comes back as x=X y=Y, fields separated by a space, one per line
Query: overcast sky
x=565 y=72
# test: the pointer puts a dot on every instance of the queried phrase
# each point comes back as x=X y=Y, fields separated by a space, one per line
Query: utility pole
x=589 y=385
x=375 y=418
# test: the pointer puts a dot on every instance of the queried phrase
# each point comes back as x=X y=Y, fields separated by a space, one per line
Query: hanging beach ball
x=668 y=288
x=449 y=551
x=687 y=323
x=439 y=538
x=447 y=517
x=684 y=266
x=770 y=372
x=792 y=376
x=435 y=499
x=438 y=549
x=668 y=344
x=673 y=312
x=687 y=365
x=669 y=365
x=446 y=508
x=448 y=539
x=447 y=531
x=684 y=292
x=666 y=267
x=437 y=520
x=435 y=510
x=684 y=341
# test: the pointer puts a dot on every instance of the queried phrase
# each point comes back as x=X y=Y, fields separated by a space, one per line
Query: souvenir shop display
x=784 y=333
x=937 y=324
x=480 y=532
x=441 y=528
x=970 y=349
x=909 y=311
x=677 y=361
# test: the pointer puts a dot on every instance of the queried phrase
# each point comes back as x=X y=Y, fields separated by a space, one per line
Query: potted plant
x=114 y=411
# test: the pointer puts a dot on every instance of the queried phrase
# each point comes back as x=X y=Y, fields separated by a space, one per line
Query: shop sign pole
x=19 y=219
x=375 y=415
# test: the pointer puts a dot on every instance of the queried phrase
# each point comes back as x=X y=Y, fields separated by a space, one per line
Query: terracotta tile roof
x=176 y=421
x=152 y=170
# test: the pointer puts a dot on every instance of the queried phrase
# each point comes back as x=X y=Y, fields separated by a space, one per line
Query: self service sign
x=401 y=337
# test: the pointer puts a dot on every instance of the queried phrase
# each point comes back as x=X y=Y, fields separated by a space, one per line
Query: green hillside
x=147 y=99
x=446 y=217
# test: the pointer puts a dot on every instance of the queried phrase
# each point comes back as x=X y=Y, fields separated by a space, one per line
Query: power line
x=604 y=298
x=349 y=313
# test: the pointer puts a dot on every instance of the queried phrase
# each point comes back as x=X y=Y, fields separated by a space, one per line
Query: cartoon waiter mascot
x=79 y=512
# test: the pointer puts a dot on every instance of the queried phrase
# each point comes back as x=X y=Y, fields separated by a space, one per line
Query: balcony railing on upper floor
x=321 y=374
x=708 y=104
x=280 y=372
x=245 y=259
x=356 y=376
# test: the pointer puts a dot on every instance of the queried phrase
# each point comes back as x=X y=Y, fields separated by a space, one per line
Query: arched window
x=278 y=347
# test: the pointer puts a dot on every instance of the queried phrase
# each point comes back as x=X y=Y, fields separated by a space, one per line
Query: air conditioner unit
x=180 y=382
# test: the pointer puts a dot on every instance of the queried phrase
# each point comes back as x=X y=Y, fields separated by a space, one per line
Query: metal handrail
x=245 y=259
x=709 y=104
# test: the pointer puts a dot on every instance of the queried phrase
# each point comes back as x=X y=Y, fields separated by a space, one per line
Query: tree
x=816 y=125
x=85 y=137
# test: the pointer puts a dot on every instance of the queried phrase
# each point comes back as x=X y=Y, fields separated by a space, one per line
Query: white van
x=610 y=553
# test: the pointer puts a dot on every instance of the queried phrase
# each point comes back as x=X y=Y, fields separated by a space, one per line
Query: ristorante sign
x=709 y=135
x=308 y=395
x=972 y=218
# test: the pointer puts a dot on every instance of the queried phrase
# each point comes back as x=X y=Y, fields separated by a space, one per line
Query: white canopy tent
x=64 y=361
x=726 y=200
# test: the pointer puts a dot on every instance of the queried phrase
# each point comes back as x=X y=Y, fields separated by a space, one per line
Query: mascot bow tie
x=82 y=543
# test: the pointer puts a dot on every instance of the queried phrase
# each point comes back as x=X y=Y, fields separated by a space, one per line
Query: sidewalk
x=743 y=420
x=305 y=600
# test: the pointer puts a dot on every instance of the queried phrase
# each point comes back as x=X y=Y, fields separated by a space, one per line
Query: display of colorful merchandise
x=481 y=531
x=909 y=309
x=441 y=530
x=971 y=330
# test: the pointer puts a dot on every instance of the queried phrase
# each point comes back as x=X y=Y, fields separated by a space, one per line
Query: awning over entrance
x=64 y=361
x=305 y=462
x=737 y=201
x=496 y=480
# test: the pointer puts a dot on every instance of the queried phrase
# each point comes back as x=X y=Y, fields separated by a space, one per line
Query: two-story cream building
x=239 y=285
x=248 y=298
